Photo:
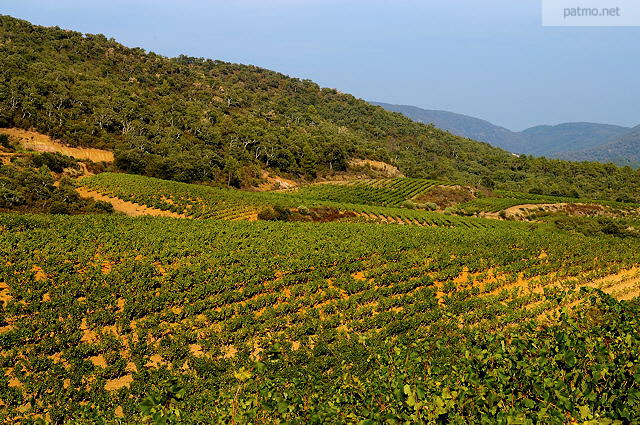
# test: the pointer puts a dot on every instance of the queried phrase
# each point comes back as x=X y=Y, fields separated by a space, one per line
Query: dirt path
x=525 y=208
x=275 y=183
x=520 y=212
x=522 y=209
x=129 y=208
x=43 y=143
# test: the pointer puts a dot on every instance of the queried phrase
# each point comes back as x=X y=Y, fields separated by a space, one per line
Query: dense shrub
x=592 y=226
x=102 y=206
x=274 y=213
x=26 y=188
x=4 y=142
x=56 y=162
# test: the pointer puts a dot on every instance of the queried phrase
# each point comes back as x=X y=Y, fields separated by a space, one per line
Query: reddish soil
x=42 y=143
x=446 y=196
x=275 y=183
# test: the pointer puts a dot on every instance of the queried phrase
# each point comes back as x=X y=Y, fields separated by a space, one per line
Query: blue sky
x=491 y=59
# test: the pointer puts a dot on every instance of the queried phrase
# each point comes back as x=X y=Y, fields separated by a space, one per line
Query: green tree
x=231 y=166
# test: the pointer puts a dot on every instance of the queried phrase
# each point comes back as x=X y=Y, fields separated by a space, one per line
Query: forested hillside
x=200 y=120
x=556 y=140
x=622 y=150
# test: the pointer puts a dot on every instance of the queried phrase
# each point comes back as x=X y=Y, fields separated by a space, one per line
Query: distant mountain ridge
x=568 y=137
x=621 y=150
x=461 y=125
x=579 y=141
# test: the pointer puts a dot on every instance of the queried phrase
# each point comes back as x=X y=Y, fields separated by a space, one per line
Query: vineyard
x=205 y=202
x=210 y=310
x=371 y=200
x=382 y=192
x=245 y=322
x=186 y=241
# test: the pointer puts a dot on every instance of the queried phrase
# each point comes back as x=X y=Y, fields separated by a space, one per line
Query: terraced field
x=202 y=202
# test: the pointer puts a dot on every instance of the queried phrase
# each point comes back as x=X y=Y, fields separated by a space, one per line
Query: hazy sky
x=491 y=59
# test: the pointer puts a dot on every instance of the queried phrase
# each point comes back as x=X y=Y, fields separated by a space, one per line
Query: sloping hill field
x=383 y=192
x=439 y=298
x=397 y=200
x=198 y=201
x=240 y=322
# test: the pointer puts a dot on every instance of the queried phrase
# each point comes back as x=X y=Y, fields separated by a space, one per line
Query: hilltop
x=202 y=120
